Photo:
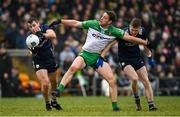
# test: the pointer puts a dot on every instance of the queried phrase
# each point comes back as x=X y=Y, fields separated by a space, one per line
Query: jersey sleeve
x=44 y=27
x=119 y=33
x=89 y=23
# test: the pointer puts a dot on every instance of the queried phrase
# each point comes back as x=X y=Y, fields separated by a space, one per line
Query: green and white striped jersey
x=97 y=37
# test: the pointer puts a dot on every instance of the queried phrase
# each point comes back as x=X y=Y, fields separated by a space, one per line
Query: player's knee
x=44 y=88
x=45 y=84
x=146 y=83
x=135 y=78
x=73 y=69
x=112 y=81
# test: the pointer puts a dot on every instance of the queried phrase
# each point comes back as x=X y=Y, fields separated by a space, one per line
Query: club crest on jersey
x=37 y=66
x=123 y=63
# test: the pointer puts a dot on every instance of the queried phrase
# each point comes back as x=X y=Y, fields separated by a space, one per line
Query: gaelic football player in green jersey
x=100 y=34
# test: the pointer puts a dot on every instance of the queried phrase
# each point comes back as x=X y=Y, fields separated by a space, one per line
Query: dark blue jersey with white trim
x=43 y=54
x=128 y=50
x=45 y=48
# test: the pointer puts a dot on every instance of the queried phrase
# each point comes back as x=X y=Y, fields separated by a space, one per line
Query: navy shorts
x=136 y=63
x=49 y=64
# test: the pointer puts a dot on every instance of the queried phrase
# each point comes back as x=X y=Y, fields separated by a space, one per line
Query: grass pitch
x=87 y=106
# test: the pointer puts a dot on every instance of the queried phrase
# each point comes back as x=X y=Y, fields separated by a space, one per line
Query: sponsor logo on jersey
x=98 y=36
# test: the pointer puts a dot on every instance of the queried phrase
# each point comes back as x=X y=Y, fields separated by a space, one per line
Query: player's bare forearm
x=71 y=23
x=50 y=34
x=133 y=39
x=106 y=49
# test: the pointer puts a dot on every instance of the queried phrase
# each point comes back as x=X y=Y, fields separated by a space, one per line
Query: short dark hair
x=112 y=15
x=135 y=22
x=32 y=19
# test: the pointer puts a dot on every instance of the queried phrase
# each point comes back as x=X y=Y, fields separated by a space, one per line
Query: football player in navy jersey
x=44 y=62
x=133 y=64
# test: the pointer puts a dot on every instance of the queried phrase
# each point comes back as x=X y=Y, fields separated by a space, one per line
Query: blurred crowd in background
x=161 y=19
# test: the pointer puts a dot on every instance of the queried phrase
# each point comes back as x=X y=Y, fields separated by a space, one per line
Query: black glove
x=149 y=45
x=54 y=23
x=40 y=35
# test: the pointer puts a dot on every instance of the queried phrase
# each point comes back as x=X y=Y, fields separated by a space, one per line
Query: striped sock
x=151 y=104
x=47 y=102
x=136 y=96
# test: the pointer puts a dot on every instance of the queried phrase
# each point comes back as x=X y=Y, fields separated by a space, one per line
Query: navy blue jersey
x=127 y=50
x=45 y=47
x=43 y=55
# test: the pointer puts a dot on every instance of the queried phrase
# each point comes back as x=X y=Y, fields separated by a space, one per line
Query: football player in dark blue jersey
x=44 y=62
x=133 y=64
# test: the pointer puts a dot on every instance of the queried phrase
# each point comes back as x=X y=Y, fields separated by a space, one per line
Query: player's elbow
x=76 y=23
x=53 y=36
x=50 y=34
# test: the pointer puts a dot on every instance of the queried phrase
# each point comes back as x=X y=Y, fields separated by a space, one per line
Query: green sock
x=114 y=105
x=61 y=88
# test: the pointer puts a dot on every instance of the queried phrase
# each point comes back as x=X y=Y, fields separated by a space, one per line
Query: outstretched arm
x=104 y=52
x=71 y=23
x=133 y=39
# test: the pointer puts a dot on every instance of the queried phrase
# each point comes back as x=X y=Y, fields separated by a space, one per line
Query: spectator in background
x=16 y=83
x=11 y=34
x=124 y=84
x=66 y=57
x=177 y=64
x=21 y=39
x=105 y=87
x=5 y=73
x=53 y=14
x=91 y=76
